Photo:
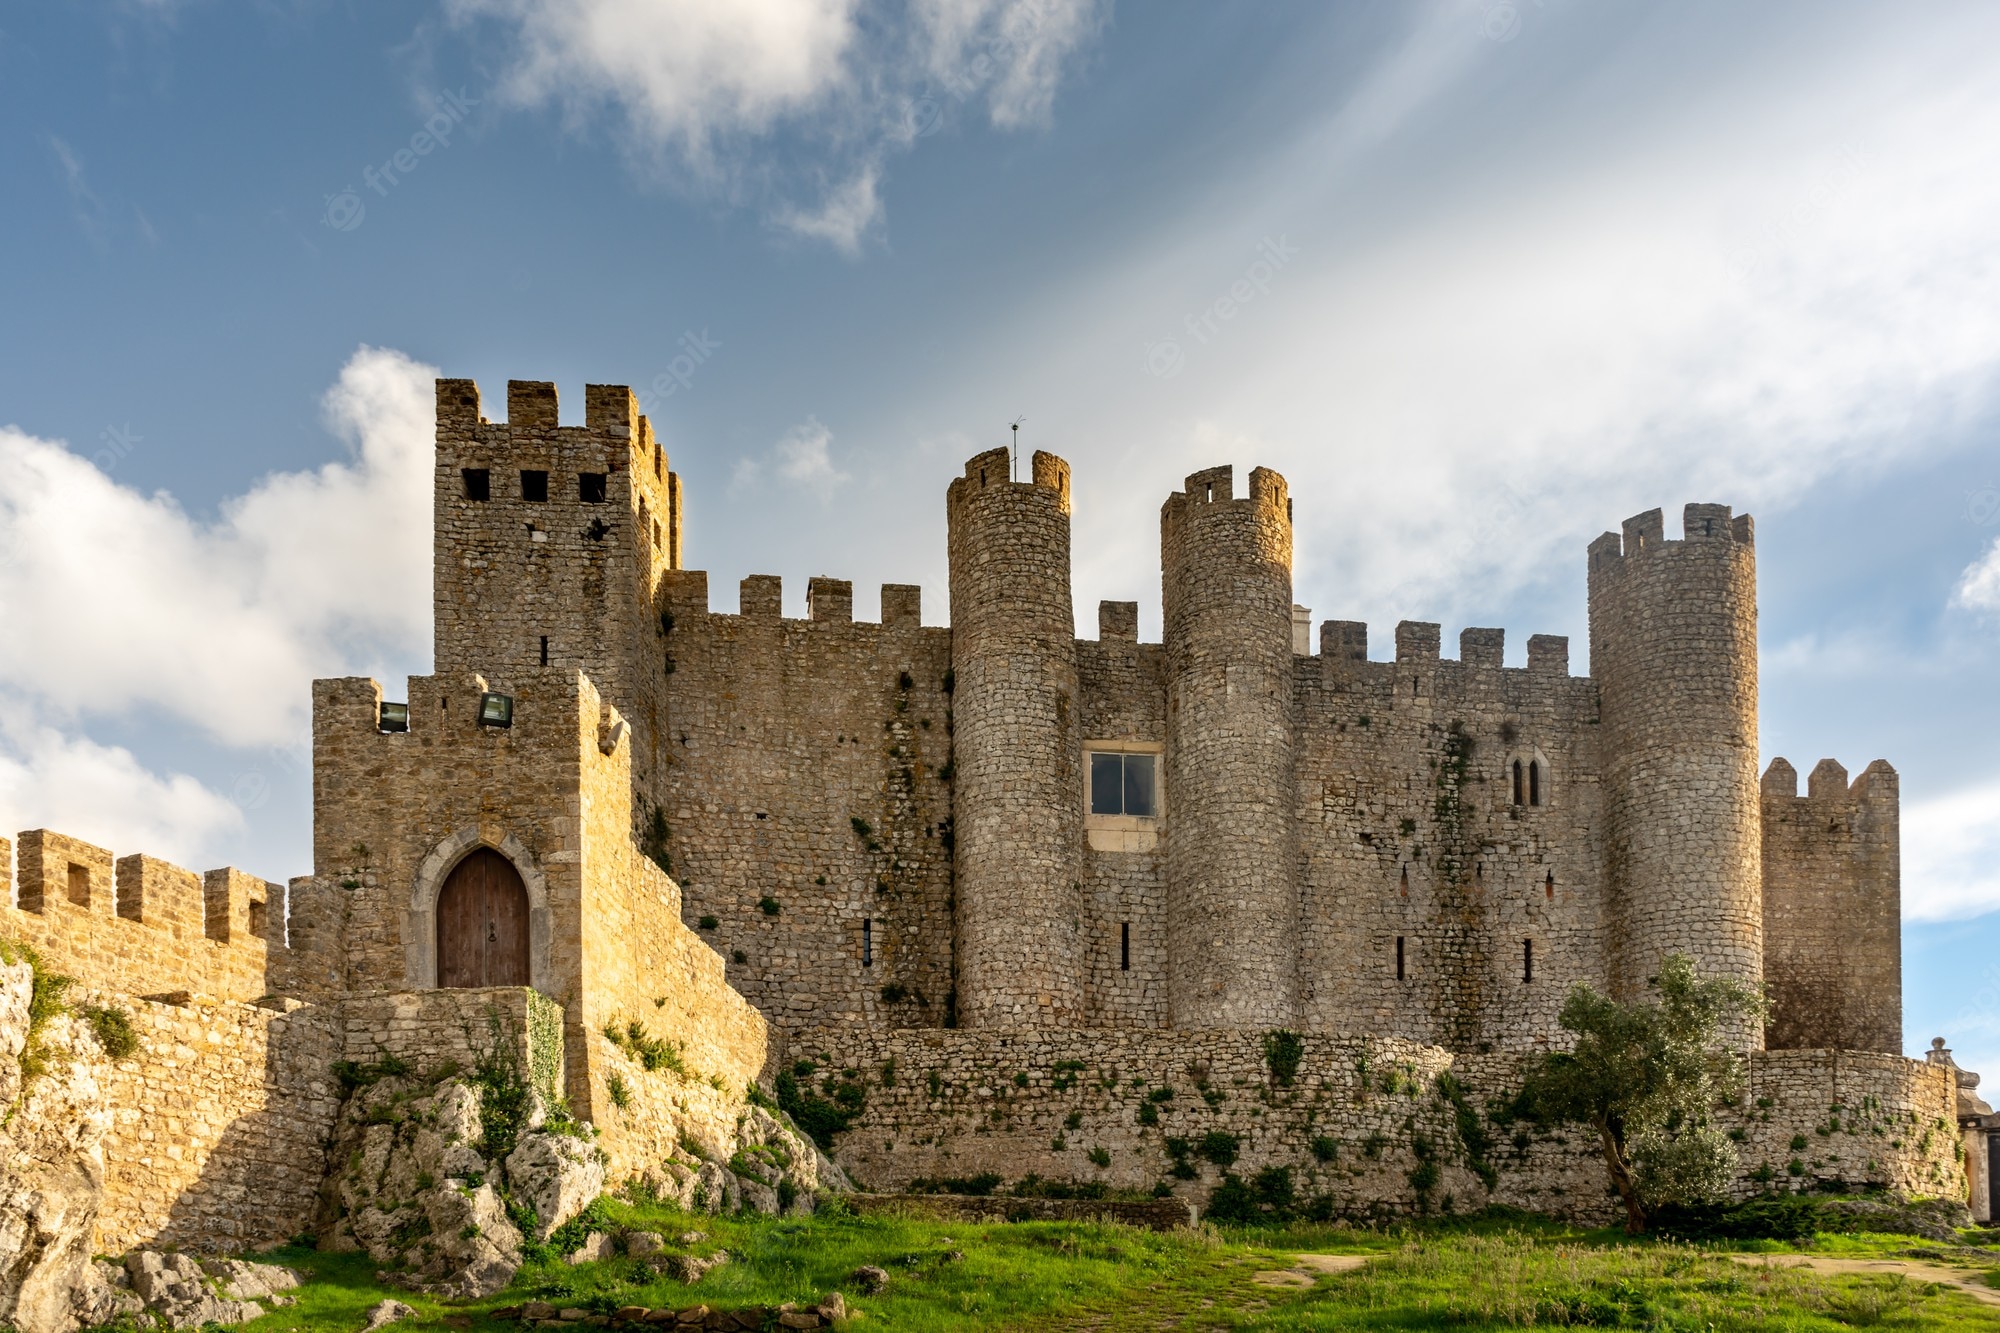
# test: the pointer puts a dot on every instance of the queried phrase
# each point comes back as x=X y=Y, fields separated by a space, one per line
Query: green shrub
x=1099 y=1157
x=1325 y=1149
x=708 y=922
x=1788 y=1217
x=113 y=1028
x=1282 y=1052
x=621 y=1096
x=1149 y=1114
x=1219 y=1147
x=768 y=905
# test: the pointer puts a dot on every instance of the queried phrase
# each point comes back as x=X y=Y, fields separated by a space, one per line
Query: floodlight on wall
x=496 y=710
x=394 y=717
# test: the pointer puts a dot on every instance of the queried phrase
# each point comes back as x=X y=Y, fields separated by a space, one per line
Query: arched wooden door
x=482 y=923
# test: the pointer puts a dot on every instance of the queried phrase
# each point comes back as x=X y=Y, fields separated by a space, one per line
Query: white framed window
x=1123 y=794
x=1124 y=784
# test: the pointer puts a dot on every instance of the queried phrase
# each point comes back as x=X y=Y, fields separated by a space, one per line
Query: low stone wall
x=219 y=1123
x=1852 y=1117
x=1367 y=1126
x=429 y=1030
x=1152 y=1214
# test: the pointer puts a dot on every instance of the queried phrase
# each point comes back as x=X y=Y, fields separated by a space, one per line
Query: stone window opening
x=478 y=483
x=79 y=884
x=1400 y=973
x=1527 y=961
x=590 y=487
x=534 y=486
x=1529 y=780
x=659 y=461
x=1209 y=498
x=867 y=942
x=1124 y=946
x=258 y=920
x=1549 y=885
x=545 y=650
x=1405 y=884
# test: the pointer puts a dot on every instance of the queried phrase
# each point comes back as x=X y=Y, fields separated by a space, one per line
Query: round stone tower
x=1673 y=647
x=1229 y=800
x=1016 y=747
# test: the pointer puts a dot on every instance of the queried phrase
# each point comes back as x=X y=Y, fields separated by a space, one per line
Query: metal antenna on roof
x=1014 y=449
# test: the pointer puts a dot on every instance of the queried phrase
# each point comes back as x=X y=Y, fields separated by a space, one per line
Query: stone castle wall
x=1418 y=847
x=1357 y=1125
x=803 y=784
x=1833 y=957
x=143 y=926
x=219 y=1123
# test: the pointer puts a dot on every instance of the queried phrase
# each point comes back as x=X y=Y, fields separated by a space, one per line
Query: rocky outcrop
x=51 y=1161
x=418 y=1182
x=772 y=1169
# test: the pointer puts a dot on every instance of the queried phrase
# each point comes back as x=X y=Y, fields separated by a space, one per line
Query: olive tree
x=1647 y=1075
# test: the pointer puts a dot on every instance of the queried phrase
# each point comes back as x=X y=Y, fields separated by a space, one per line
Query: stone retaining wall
x=219 y=1123
x=1369 y=1126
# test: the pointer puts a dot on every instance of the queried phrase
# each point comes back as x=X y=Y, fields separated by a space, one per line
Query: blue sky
x=1515 y=271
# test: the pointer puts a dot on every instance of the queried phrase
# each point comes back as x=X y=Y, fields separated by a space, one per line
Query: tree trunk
x=1621 y=1177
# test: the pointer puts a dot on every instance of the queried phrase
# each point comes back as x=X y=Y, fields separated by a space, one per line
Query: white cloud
x=1951 y=856
x=698 y=84
x=802 y=457
x=1979 y=587
x=1796 y=279
x=121 y=605
x=102 y=794
x=118 y=602
x=844 y=218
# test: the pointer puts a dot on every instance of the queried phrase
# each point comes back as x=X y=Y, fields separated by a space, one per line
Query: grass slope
x=1508 y=1273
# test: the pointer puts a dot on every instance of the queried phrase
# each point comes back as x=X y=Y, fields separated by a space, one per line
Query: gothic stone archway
x=482 y=923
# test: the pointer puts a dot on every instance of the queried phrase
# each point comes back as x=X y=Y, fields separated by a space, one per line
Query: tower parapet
x=1232 y=851
x=1016 y=747
x=1673 y=647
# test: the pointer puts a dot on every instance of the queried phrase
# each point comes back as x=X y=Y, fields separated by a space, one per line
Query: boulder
x=243 y=1281
x=556 y=1175
x=175 y=1288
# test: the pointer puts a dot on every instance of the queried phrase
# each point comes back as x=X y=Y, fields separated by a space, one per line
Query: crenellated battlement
x=141 y=926
x=1211 y=492
x=760 y=597
x=1645 y=534
x=1828 y=784
x=1343 y=647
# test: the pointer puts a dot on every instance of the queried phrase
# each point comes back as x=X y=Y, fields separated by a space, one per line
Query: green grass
x=1491 y=1273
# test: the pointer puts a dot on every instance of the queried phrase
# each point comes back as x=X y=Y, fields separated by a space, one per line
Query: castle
x=989 y=898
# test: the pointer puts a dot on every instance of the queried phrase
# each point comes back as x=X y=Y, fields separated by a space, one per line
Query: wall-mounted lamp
x=395 y=717
x=496 y=710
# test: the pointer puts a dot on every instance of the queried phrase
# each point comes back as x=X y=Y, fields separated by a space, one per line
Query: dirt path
x=1968 y=1283
x=1309 y=1268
